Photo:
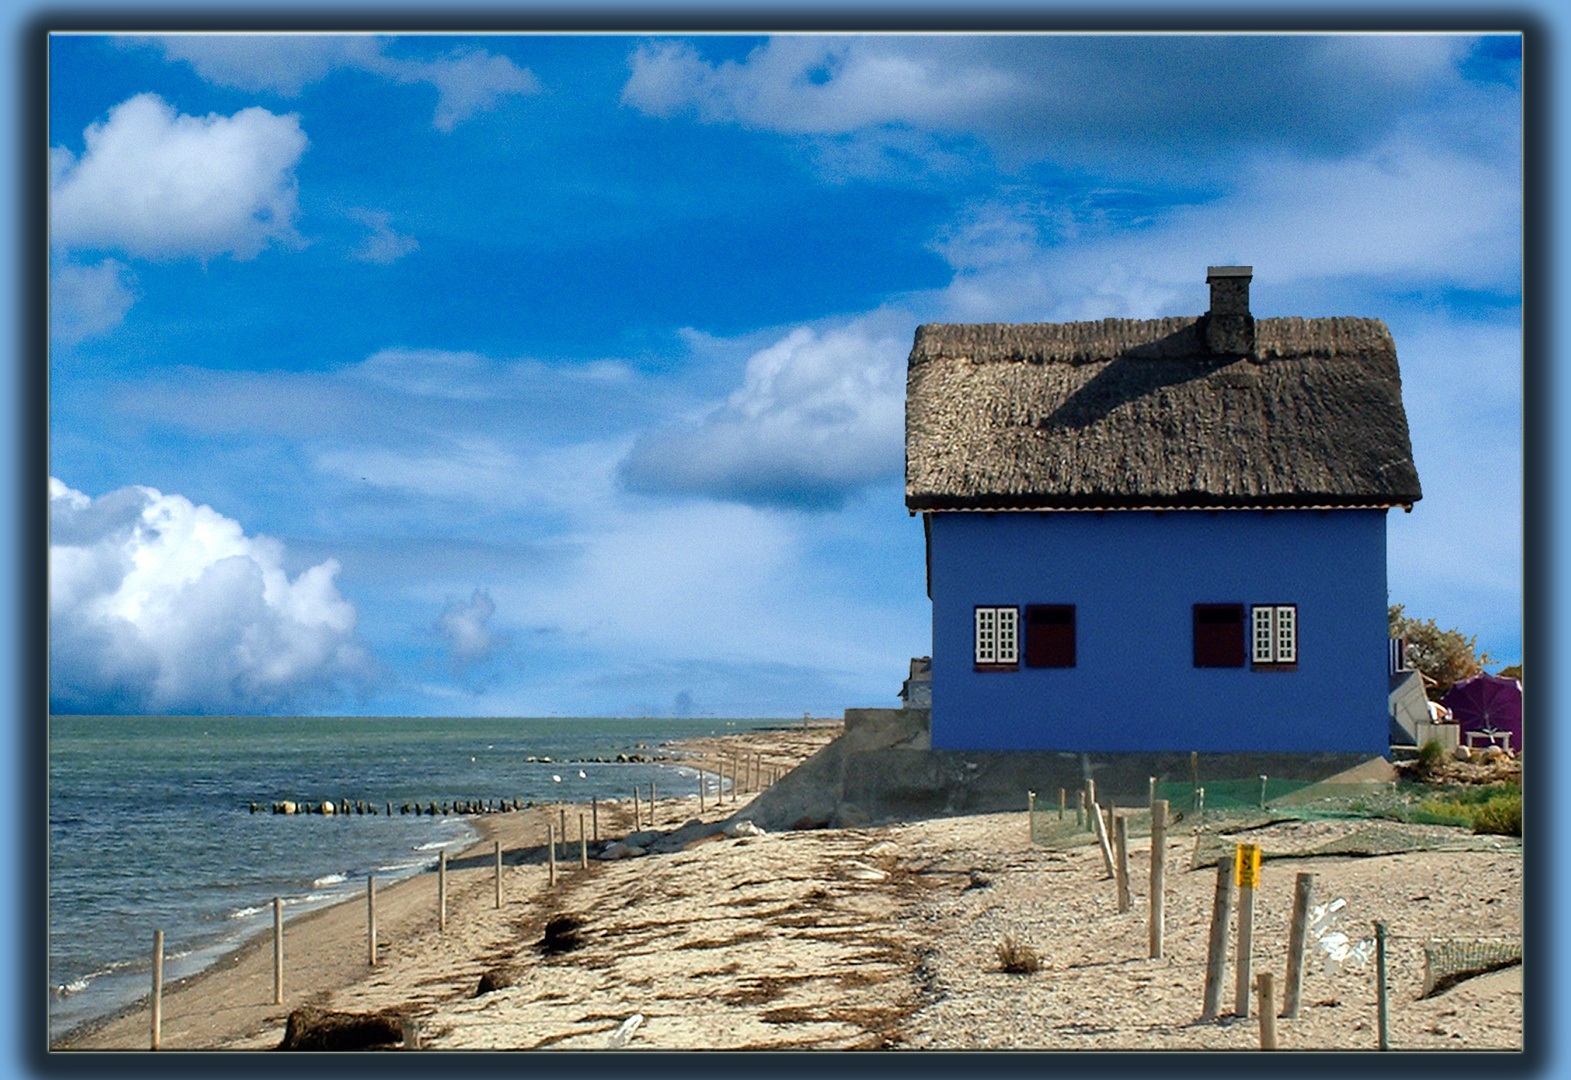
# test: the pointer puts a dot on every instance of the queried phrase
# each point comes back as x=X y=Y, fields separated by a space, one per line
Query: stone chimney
x=1229 y=328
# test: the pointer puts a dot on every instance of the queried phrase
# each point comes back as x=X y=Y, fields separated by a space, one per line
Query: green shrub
x=1500 y=816
x=1430 y=756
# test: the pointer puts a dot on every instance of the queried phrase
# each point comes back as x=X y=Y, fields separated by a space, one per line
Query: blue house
x=1161 y=534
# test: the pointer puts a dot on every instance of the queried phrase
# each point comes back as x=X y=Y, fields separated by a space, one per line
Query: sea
x=151 y=825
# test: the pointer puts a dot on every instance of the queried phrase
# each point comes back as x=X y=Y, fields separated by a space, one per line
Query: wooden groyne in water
x=346 y=807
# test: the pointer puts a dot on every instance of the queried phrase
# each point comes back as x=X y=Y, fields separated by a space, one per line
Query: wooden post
x=1121 y=859
x=651 y=804
x=1080 y=811
x=594 y=812
x=562 y=814
x=1158 y=877
x=1267 y=1011
x=1216 y=948
x=1297 y=931
x=1101 y=839
x=1151 y=783
x=700 y=791
x=370 y=918
x=1200 y=803
x=1247 y=863
x=583 y=845
x=1262 y=791
x=1382 y=1003
x=550 y=846
x=278 y=950
x=441 y=891
x=1194 y=779
x=499 y=875
x=638 y=814
x=1030 y=817
x=1060 y=804
x=158 y=988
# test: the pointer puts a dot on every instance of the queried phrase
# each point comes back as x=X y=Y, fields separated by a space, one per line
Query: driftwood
x=322 y=1029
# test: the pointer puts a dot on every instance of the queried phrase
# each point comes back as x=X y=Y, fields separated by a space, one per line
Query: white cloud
x=818 y=417
x=468 y=80
x=1139 y=106
x=466 y=627
x=158 y=185
x=85 y=301
x=383 y=246
x=160 y=606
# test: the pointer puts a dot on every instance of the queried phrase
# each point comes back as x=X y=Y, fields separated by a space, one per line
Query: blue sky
x=544 y=374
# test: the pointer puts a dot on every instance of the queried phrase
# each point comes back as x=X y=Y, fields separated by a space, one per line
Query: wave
x=330 y=879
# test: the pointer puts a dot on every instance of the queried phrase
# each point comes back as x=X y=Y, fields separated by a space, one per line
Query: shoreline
x=401 y=902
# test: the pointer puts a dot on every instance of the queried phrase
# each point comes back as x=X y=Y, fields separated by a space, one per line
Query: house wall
x=1134 y=577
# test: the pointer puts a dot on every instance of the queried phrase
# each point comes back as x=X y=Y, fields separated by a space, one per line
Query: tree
x=1445 y=656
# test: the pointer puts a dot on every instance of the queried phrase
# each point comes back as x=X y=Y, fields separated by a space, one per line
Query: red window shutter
x=1219 y=635
x=1050 y=635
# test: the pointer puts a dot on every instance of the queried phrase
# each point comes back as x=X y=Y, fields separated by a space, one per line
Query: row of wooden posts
x=1242 y=871
x=742 y=770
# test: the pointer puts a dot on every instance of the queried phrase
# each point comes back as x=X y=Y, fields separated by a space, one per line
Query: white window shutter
x=986 y=635
x=1008 y=635
x=1261 y=637
x=1287 y=634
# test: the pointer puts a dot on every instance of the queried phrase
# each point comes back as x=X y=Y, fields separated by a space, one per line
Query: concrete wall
x=1134 y=578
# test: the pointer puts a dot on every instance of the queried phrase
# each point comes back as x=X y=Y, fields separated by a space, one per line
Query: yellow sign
x=1247 y=866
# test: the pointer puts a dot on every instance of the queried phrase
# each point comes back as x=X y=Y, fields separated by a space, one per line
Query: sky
x=545 y=374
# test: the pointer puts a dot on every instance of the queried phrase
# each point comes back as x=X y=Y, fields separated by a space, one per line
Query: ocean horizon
x=151 y=824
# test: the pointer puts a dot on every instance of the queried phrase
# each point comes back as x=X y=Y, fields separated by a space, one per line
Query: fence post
x=594 y=810
x=1121 y=859
x=638 y=813
x=651 y=804
x=1031 y=817
x=1158 y=877
x=550 y=846
x=499 y=875
x=583 y=845
x=1262 y=791
x=278 y=950
x=441 y=891
x=158 y=988
x=370 y=918
x=1151 y=801
x=1247 y=862
x=1297 y=931
x=1194 y=778
x=562 y=814
x=1382 y=1004
x=1216 y=948
x=1060 y=804
x=1103 y=844
x=1267 y=1011
x=700 y=791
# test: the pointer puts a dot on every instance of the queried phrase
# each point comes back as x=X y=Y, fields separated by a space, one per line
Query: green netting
x=1449 y=961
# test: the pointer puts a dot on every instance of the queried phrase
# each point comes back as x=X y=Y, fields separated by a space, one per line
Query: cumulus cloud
x=467 y=80
x=87 y=300
x=157 y=605
x=383 y=246
x=157 y=184
x=818 y=417
x=465 y=626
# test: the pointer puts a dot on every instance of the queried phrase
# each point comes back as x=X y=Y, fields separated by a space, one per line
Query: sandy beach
x=882 y=937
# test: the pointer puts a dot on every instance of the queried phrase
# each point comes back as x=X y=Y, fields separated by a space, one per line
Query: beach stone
x=1462 y=753
x=620 y=849
x=329 y=809
x=497 y=978
x=742 y=828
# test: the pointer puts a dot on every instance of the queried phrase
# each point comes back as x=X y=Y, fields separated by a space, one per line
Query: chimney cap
x=1229 y=271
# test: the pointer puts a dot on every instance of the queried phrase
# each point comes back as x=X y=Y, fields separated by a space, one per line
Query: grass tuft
x=1016 y=957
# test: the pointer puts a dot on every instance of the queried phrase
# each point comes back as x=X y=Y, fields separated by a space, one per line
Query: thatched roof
x=1129 y=413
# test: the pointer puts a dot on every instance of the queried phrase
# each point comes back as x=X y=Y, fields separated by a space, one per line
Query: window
x=1274 y=635
x=997 y=638
x=1219 y=635
x=1050 y=635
